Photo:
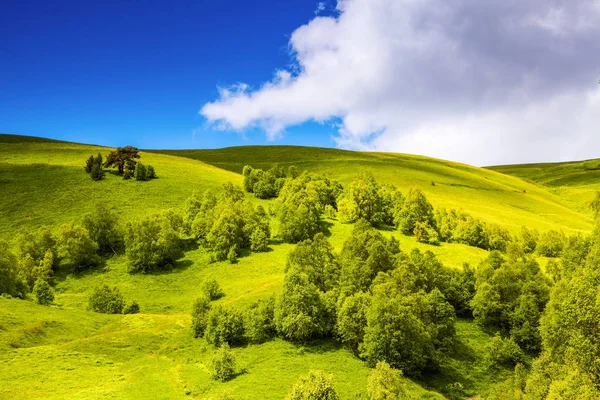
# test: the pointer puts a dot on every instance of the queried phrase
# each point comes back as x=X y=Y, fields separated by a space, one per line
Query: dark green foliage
x=504 y=353
x=362 y=201
x=37 y=245
x=103 y=227
x=511 y=295
x=528 y=239
x=426 y=234
x=212 y=290
x=44 y=294
x=223 y=364
x=106 y=300
x=93 y=166
x=302 y=312
x=89 y=163
x=259 y=321
x=150 y=172
x=459 y=227
x=315 y=386
x=76 y=246
x=132 y=307
x=498 y=238
x=123 y=158
x=224 y=325
x=151 y=244
x=415 y=208
x=10 y=283
x=264 y=184
x=140 y=172
x=385 y=383
x=550 y=244
x=200 y=313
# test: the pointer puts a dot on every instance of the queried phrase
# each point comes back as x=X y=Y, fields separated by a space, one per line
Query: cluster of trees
x=227 y=223
x=567 y=330
x=124 y=159
x=383 y=304
x=266 y=184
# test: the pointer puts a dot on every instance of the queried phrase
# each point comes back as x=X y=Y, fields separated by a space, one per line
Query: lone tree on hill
x=124 y=159
x=93 y=166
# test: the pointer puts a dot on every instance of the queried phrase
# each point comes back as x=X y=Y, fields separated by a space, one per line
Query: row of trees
x=124 y=159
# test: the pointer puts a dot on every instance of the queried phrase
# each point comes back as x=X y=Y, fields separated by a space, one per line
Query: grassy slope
x=486 y=194
x=575 y=182
x=66 y=351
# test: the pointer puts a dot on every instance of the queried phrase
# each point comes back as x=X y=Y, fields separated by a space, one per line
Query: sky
x=482 y=82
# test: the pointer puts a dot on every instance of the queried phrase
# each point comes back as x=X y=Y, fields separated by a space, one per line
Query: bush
x=426 y=234
x=385 y=383
x=150 y=172
x=140 y=172
x=415 y=208
x=10 y=283
x=259 y=240
x=151 y=244
x=132 y=307
x=44 y=294
x=315 y=386
x=106 y=300
x=224 y=325
x=200 y=313
x=76 y=246
x=222 y=365
x=212 y=290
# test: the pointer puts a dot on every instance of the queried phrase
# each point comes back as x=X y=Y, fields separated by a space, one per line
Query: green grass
x=65 y=351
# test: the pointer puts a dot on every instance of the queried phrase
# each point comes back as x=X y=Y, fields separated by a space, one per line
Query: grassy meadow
x=65 y=351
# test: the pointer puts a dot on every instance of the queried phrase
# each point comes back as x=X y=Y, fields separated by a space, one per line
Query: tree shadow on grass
x=319 y=346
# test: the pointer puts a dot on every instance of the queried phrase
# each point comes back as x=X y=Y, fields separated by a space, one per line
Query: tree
x=150 y=172
x=43 y=292
x=106 y=300
x=352 y=319
x=415 y=208
x=76 y=246
x=385 y=383
x=363 y=200
x=200 y=313
x=37 y=245
x=301 y=312
x=151 y=244
x=314 y=386
x=123 y=158
x=212 y=290
x=316 y=259
x=222 y=365
x=103 y=227
x=528 y=239
x=93 y=166
x=97 y=172
x=550 y=244
x=259 y=321
x=10 y=283
x=224 y=325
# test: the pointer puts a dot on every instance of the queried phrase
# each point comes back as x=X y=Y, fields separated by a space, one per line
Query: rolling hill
x=67 y=351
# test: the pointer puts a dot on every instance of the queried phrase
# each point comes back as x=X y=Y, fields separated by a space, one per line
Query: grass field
x=65 y=351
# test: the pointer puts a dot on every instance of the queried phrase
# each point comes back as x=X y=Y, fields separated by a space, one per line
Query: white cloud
x=477 y=81
x=320 y=8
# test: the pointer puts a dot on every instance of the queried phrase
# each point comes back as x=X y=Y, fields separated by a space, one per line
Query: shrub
x=106 y=300
x=212 y=290
x=385 y=383
x=150 y=172
x=76 y=246
x=222 y=365
x=151 y=244
x=315 y=386
x=44 y=294
x=140 y=172
x=426 y=234
x=224 y=325
x=200 y=313
x=132 y=307
x=259 y=240
x=232 y=255
x=330 y=212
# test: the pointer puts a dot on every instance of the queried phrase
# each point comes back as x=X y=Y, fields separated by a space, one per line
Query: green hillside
x=66 y=351
x=485 y=194
x=576 y=182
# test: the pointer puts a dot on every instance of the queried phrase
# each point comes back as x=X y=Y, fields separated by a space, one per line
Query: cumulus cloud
x=482 y=82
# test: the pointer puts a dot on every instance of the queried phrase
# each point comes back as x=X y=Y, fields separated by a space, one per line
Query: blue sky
x=130 y=72
x=483 y=82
